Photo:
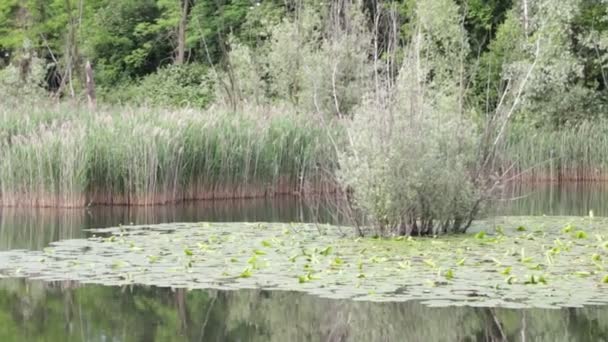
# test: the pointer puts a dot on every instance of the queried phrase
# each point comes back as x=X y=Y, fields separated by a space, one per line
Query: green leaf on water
x=153 y=258
x=535 y=266
x=326 y=251
x=480 y=235
x=460 y=262
x=306 y=278
x=116 y=264
x=580 y=234
x=266 y=243
x=506 y=271
x=449 y=274
x=259 y=252
x=567 y=229
x=429 y=263
x=337 y=261
x=246 y=273
x=605 y=279
x=188 y=252
x=404 y=264
x=596 y=257
x=532 y=280
x=521 y=229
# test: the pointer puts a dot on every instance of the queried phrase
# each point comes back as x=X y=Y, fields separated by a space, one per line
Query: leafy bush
x=186 y=85
x=23 y=80
x=412 y=152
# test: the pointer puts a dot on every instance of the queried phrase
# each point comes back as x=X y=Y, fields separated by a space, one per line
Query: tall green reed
x=69 y=156
x=574 y=153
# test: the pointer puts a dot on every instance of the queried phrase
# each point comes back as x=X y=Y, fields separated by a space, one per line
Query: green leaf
x=246 y=273
x=153 y=258
x=582 y=274
x=480 y=235
x=326 y=251
x=337 y=261
x=429 y=263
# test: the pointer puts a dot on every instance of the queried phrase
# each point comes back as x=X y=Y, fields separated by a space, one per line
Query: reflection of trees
x=36 y=228
x=26 y=228
x=36 y=311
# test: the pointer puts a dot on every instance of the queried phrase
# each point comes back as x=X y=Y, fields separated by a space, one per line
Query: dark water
x=37 y=311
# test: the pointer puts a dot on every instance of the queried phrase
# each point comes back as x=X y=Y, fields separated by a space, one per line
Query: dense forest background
x=190 y=52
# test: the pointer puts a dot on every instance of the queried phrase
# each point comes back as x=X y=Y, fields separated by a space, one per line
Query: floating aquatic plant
x=455 y=269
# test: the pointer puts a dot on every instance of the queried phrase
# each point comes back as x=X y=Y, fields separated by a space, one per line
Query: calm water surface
x=66 y=311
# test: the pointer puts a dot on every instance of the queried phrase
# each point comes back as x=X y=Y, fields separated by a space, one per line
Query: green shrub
x=187 y=85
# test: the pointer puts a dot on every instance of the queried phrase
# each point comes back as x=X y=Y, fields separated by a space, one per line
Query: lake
x=33 y=310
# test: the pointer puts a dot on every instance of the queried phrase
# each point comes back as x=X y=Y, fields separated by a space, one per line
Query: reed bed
x=577 y=153
x=65 y=156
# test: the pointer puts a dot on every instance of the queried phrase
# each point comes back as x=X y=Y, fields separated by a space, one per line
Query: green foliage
x=186 y=85
x=23 y=80
x=68 y=156
x=408 y=161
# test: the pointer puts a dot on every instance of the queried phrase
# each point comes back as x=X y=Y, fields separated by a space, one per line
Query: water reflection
x=23 y=228
x=31 y=310
x=26 y=228
x=568 y=199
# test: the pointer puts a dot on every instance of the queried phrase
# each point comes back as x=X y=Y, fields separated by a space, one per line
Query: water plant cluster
x=512 y=262
x=61 y=155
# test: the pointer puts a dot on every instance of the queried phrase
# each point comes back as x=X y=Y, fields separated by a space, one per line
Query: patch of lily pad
x=515 y=262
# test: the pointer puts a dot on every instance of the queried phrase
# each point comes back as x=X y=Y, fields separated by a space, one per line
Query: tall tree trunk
x=90 y=84
x=180 y=56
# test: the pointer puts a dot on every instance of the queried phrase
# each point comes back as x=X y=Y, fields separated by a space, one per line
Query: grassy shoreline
x=65 y=156
x=572 y=154
x=61 y=155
